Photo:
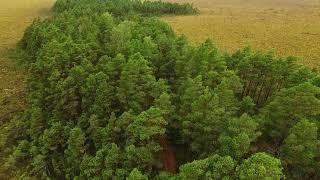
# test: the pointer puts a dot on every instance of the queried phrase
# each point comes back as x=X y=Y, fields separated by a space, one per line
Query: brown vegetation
x=15 y=16
x=288 y=27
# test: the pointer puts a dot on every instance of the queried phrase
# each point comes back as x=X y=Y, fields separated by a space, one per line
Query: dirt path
x=15 y=16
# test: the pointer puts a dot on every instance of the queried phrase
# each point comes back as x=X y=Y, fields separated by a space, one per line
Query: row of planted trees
x=114 y=94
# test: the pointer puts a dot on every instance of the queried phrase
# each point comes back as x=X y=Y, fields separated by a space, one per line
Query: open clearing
x=15 y=16
x=287 y=27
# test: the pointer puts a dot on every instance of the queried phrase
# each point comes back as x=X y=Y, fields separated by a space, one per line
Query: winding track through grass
x=15 y=16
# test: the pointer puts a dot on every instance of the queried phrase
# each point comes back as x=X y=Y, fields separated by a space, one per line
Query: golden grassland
x=286 y=27
x=15 y=16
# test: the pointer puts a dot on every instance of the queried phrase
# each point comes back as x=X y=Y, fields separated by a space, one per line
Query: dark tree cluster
x=115 y=94
x=125 y=7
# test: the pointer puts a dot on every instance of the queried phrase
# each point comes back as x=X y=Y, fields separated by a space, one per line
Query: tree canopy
x=113 y=92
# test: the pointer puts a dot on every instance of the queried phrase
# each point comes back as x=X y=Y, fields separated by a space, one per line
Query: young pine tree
x=301 y=150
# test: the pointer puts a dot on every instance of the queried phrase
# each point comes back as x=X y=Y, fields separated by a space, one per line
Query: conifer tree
x=136 y=85
x=260 y=166
x=75 y=151
x=236 y=139
x=288 y=107
x=114 y=93
x=301 y=150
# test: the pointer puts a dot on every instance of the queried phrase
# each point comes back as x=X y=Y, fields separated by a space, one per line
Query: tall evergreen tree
x=260 y=166
x=288 y=107
x=75 y=151
x=137 y=85
x=236 y=139
x=300 y=151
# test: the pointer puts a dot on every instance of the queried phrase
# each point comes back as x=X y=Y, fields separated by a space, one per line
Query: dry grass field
x=15 y=16
x=287 y=27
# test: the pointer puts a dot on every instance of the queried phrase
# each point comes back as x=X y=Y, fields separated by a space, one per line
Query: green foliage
x=137 y=85
x=301 y=149
x=261 y=73
x=288 y=107
x=247 y=105
x=122 y=7
x=104 y=164
x=75 y=150
x=136 y=175
x=113 y=93
x=260 y=166
x=147 y=125
x=203 y=116
x=213 y=167
x=237 y=137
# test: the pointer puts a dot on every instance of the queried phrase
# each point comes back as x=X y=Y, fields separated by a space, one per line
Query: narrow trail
x=15 y=16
